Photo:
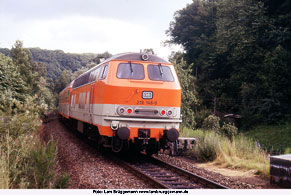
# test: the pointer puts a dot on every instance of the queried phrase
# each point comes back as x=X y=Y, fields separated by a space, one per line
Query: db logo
x=147 y=95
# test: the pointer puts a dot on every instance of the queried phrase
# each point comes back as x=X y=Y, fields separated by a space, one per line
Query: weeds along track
x=164 y=175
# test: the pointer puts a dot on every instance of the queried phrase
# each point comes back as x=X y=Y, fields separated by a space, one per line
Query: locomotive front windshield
x=160 y=73
x=130 y=71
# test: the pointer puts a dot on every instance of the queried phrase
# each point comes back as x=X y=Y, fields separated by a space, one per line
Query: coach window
x=103 y=72
x=160 y=73
x=130 y=71
x=72 y=100
x=88 y=96
x=94 y=74
x=91 y=77
x=85 y=79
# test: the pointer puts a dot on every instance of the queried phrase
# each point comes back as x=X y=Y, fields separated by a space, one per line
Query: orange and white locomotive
x=131 y=100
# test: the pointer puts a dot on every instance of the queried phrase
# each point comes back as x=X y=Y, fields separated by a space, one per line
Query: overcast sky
x=88 y=26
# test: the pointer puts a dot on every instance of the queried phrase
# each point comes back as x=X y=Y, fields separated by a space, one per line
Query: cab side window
x=103 y=73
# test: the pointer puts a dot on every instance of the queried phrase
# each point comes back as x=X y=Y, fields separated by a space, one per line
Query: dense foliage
x=25 y=162
x=189 y=93
x=55 y=61
x=240 y=55
x=272 y=138
x=21 y=78
x=55 y=67
x=30 y=80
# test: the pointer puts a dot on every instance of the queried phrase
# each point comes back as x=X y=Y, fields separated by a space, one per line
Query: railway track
x=164 y=175
x=159 y=173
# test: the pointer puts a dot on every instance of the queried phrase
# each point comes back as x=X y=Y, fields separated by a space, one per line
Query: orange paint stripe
x=133 y=96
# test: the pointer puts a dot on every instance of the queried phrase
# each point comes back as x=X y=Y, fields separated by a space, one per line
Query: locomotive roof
x=137 y=57
x=130 y=57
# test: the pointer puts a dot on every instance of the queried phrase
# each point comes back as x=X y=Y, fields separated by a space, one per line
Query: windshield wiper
x=131 y=70
x=161 y=70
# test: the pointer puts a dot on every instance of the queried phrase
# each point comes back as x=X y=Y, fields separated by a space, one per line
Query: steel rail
x=153 y=175
x=193 y=177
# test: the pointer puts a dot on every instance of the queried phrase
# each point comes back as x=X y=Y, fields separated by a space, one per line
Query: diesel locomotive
x=129 y=101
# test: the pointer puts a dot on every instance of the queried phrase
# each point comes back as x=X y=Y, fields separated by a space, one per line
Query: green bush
x=42 y=164
x=229 y=130
x=62 y=181
x=19 y=124
x=200 y=116
x=211 y=123
x=31 y=105
x=207 y=148
x=287 y=151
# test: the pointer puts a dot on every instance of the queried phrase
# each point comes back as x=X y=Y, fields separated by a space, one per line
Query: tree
x=148 y=50
x=63 y=81
x=101 y=56
x=189 y=93
x=193 y=27
x=235 y=46
x=22 y=59
x=33 y=75
x=11 y=82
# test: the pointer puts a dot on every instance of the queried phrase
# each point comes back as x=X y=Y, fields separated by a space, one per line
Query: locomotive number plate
x=147 y=95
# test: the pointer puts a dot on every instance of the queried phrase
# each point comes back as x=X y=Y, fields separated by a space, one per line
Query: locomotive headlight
x=172 y=112
x=121 y=110
x=145 y=56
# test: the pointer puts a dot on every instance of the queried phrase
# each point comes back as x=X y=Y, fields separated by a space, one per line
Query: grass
x=242 y=152
x=273 y=138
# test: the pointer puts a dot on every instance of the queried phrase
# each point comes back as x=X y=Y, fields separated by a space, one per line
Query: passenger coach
x=131 y=100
